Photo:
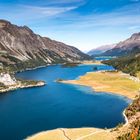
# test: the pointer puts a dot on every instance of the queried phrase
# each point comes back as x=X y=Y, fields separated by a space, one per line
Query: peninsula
x=9 y=83
x=110 y=81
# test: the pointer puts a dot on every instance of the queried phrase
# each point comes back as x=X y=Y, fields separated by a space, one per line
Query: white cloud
x=125 y=16
x=47 y=11
x=26 y=13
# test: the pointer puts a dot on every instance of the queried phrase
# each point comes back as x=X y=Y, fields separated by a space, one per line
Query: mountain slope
x=128 y=64
x=101 y=49
x=21 y=48
x=129 y=46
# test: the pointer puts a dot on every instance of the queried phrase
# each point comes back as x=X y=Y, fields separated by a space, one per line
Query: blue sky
x=85 y=24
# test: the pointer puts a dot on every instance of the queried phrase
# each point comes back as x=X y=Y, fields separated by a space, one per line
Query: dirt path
x=80 y=138
x=65 y=134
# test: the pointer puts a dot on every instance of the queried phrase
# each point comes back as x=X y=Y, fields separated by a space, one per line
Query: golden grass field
x=92 y=62
x=74 y=134
x=113 y=82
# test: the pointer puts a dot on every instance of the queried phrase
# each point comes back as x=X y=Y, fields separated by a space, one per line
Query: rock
x=6 y=79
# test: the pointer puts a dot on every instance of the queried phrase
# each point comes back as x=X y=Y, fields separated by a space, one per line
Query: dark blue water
x=27 y=111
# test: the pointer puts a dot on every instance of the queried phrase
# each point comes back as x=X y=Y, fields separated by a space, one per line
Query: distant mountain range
x=124 y=48
x=21 y=48
x=128 y=53
x=127 y=47
x=101 y=49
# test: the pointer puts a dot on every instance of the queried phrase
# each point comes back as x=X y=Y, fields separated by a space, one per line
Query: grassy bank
x=113 y=82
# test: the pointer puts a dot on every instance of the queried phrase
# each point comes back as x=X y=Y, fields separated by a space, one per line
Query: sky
x=85 y=24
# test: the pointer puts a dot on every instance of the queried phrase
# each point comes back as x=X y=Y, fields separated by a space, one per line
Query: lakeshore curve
x=109 y=81
x=113 y=82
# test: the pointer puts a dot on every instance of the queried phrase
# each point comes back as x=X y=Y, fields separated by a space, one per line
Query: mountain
x=21 y=48
x=128 y=53
x=129 y=46
x=101 y=49
x=128 y=64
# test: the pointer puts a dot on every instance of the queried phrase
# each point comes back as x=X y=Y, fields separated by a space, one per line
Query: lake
x=103 y=58
x=27 y=111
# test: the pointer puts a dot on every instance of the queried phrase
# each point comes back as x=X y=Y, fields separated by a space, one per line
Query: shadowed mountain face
x=21 y=48
x=128 y=64
x=129 y=46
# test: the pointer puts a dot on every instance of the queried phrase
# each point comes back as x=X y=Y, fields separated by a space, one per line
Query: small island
x=70 y=64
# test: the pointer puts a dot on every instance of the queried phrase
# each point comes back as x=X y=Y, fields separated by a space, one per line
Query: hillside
x=129 y=46
x=21 y=48
x=128 y=64
x=101 y=49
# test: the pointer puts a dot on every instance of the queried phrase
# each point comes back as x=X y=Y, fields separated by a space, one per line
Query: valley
x=67 y=85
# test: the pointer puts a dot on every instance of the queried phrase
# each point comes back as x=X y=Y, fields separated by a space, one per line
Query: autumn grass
x=49 y=135
x=113 y=82
x=73 y=134
x=92 y=62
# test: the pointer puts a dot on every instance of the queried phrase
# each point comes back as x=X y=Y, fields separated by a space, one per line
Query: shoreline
x=22 y=86
x=29 y=69
x=113 y=132
x=95 y=130
x=125 y=117
x=79 y=133
x=98 y=91
x=95 y=62
x=99 y=85
x=107 y=133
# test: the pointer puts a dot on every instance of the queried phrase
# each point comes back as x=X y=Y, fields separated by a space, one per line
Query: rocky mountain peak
x=27 y=28
x=128 y=46
x=135 y=36
x=4 y=23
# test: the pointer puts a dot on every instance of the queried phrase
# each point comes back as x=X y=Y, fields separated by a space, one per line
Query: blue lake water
x=102 y=58
x=27 y=111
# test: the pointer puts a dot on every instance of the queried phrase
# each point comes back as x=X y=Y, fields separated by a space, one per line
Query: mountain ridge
x=101 y=49
x=126 y=47
x=21 y=48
